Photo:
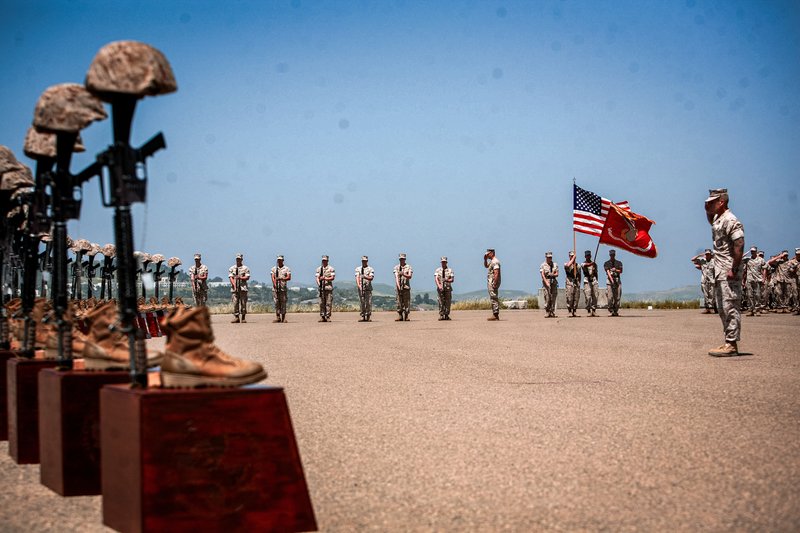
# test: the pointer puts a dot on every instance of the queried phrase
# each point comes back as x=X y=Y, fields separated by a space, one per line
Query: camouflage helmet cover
x=94 y=250
x=130 y=67
x=81 y=246
x=172 y=262
x=157 y=258
x=67 y=107
x=43 y=144
x=16 y=178
x=109 y=250
x=7 y=160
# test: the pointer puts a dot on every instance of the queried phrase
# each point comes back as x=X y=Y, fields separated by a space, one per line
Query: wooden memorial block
x=23 y=408
x=201 y=460
x=5 y=355
x=69 y=429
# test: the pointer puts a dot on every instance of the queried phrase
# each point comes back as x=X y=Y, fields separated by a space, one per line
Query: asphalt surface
x=527 y=424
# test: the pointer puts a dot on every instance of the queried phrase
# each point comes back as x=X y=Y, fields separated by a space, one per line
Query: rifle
x=173 y=275
x=91 y=268
x=321 y=279
x=46 y=266
x=125 y=187
x=107 y=274
x=362 y=293
x=157 y=276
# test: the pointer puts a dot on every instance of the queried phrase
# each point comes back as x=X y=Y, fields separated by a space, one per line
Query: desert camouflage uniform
x=200 y=286
x=550 y=293
x=326 y=300
x=446 y=294
x=366 y=290
x=783 y=284
x=493 y=291
x=753 y=268
x=590 y=285
x=766 y=287
x=794 y=282
x=707 y=282
x=724 y=231
x=573 y=287
x=614 y=288
x=239 y=299
x=279 y=290
x=404 y=292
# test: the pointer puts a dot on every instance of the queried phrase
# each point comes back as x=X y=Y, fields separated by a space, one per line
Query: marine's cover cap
x=752 y=249
x=197 y=256
x=571 y=253
x=785 y=252
x=587 y=252
x=364 y=258
x=548 y=254
x=67 y=107
x=16 y=178
x=43 y=144
x=761 y=252
x=239 y=256
x=130 y=67
x=402 y=256
x=490 y=250
x=612 y=252
x=324 y=257
x=444 y=259
x=713 y=194
x=280 y=257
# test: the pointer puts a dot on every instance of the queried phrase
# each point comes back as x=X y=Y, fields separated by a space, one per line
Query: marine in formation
x=444 y=277
x=325 y=274
x=364 y=276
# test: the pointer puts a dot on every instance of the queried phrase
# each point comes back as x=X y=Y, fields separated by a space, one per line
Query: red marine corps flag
x=628 y=231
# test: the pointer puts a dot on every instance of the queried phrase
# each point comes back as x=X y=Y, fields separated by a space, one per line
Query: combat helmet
x=42 y=144
x=67 y=107
x=130 y=68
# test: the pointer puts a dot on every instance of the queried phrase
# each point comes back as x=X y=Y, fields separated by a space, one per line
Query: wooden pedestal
x=23 y=408
x=69 y=429
x=5 y=355
x=201 y=460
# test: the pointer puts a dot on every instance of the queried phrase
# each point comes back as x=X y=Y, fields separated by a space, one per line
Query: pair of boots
x=403 y=316
x=106 y=347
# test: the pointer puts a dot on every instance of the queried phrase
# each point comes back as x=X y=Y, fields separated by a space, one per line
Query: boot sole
x=190 y=381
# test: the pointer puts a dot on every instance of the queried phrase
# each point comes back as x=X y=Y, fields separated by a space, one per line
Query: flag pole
x=574 y=241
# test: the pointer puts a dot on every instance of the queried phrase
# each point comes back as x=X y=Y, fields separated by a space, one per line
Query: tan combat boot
x=191 y=359
x=107 y=349
x=49 y=331
x=726 y=350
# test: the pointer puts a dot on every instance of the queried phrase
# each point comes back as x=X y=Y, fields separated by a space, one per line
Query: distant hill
x=689 y=292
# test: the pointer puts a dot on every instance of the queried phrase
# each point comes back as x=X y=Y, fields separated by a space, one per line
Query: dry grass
x=664 y=304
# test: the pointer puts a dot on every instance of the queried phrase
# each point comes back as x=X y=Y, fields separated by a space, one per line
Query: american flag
x=589 y=211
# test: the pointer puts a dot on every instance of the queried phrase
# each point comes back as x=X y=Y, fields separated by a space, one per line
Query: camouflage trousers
x=200 y=297
x=590 y=292
x=573 y=293
x=550 y=298
x=708 y=294
x=754 y=295
x=766 y=290
x=445 y=299
x=279 y=297
x=494 y=298
x=404 y=300
x=239 y=300
x=326 y=304
x=366 y=303
x=614 y=295
x=729 y=301
x=783 y=293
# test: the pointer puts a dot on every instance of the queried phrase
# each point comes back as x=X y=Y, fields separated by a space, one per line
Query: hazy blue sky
x=435 y=128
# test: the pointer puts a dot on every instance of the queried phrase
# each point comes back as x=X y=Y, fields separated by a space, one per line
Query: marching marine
x=198 y=275
x=754 y=276
x=573 y=284
x=444 y=277
x=238 y=275
x=325 y=275
x=280 y=276
x=364 y=276
x=705 y=264
x=590 y=283
x=727 y=233
x=613 y=270
x=549 y=273
x=402 y=283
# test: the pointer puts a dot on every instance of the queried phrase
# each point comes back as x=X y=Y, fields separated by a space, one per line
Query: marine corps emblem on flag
x=629 y=231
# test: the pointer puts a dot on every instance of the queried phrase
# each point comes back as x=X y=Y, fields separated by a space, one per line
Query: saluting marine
x=444 y=277
x=782 y=280
x=549 y=273
x=238 y=275
x=325 y=275
x=727 y=233
x=493 y=279
x=590 y=283
x=198 y=275
x=754 y=277
x=402 y=283
x=364 y=276
x=573 y=284
x=280 y=276
x=794 y=271
x=613 y=270
x=705 y=264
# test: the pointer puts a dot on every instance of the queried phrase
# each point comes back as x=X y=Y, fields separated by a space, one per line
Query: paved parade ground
x=523 y=425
